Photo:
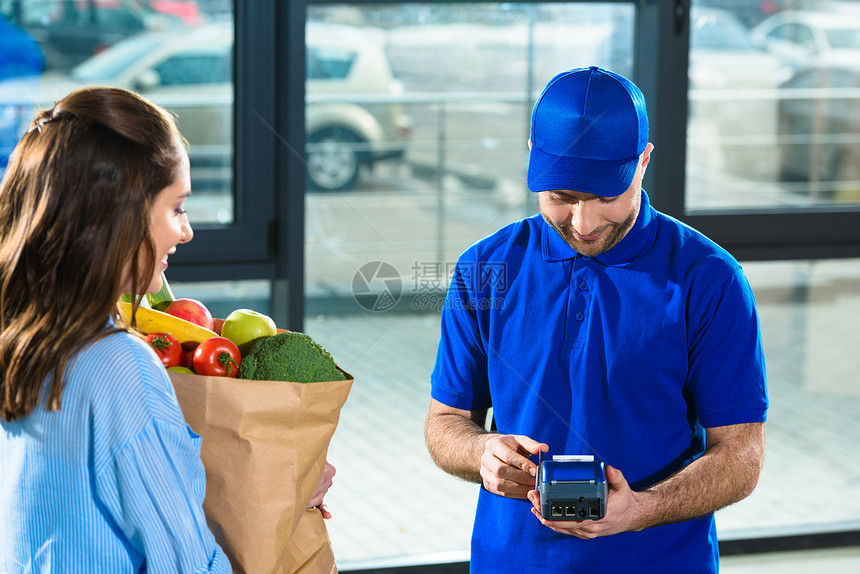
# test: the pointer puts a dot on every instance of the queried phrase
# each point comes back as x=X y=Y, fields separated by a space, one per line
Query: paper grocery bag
x=264 y=450
x=309 y=547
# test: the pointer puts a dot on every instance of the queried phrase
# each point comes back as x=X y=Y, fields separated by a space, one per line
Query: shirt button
x=579 y=316
x=583 y=286
x=586 y=258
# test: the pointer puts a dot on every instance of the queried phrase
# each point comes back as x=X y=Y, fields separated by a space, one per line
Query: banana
x=152 y=321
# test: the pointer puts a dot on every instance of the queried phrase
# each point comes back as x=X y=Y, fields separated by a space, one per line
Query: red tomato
x=167 y=347
x=217 y=356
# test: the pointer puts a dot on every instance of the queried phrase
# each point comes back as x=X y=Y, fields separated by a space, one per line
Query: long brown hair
x=75 y=207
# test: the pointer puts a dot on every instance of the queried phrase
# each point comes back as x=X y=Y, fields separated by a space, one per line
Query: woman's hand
x=322 y=489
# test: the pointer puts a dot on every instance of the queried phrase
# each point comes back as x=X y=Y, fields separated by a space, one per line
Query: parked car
x=344 y=63
x=819 y=131
x=70 y=31
x=748 y=12
x=189 y=73
x=722 y=55
x=729 y=81
x=192 y=74
x=802 y=38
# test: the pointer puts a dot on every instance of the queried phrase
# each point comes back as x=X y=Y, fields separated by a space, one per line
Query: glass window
x=810 y=315
x=380 y=246
x=224 y=297
x=715 y=33
x=803 y=36
x=194 y=67
x=794 y=33
x=846 y=38
x=772 y=121
x=417 y=147
x=108 y=64
x=178 y=56
x=329 y=63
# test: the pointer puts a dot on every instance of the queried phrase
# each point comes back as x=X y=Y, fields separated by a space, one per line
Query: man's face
x=592 y=224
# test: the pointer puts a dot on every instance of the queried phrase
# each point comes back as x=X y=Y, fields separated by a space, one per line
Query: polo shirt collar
x=636 y=243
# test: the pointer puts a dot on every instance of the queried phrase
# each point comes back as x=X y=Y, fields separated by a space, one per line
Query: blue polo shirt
x=629 y=356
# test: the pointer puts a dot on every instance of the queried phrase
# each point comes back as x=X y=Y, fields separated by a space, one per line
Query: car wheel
x=334 y=157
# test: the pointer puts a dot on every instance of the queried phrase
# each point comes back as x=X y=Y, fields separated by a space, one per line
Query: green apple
x=185 y=370
x=245 y=327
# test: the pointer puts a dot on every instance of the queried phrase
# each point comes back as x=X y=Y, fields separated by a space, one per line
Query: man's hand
x=460 y=445
x=322 y=489
x=505 y=467
x=620 y=511
x=725 y=473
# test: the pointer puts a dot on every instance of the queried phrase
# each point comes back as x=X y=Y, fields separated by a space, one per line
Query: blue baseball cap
x=589 y=127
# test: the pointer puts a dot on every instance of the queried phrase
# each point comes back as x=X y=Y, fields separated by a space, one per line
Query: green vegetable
x=158 y=300
x=162 y=298
x=289 y=357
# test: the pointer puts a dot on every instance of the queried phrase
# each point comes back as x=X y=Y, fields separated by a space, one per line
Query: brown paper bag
x=310 y=548
x=264 y=449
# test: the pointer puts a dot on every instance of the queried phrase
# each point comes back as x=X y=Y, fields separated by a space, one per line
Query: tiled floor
x=833 y=561
x=390 y=501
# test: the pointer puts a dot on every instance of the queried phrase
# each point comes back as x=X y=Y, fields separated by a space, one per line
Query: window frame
x=246 y=248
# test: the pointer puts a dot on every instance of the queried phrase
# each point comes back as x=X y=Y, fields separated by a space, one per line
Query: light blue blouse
x=112 y=482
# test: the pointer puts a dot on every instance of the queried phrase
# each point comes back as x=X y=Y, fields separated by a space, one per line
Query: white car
x=730 y=103
x=801 y=38
x=352 y=116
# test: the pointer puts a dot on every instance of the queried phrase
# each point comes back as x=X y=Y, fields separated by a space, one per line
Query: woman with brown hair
x=100 y=471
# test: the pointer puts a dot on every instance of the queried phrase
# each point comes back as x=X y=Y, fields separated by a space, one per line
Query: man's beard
x=612 y=235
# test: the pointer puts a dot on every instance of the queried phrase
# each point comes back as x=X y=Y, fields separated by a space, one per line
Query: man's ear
x=645 y=158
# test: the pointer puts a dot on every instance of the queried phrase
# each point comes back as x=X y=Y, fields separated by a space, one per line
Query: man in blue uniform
x=600 y=326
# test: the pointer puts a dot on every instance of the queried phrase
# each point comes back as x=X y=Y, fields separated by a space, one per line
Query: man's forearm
x=726 y=473
x=456 y=442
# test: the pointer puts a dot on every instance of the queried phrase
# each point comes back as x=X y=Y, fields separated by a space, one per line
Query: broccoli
x=289 y=356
